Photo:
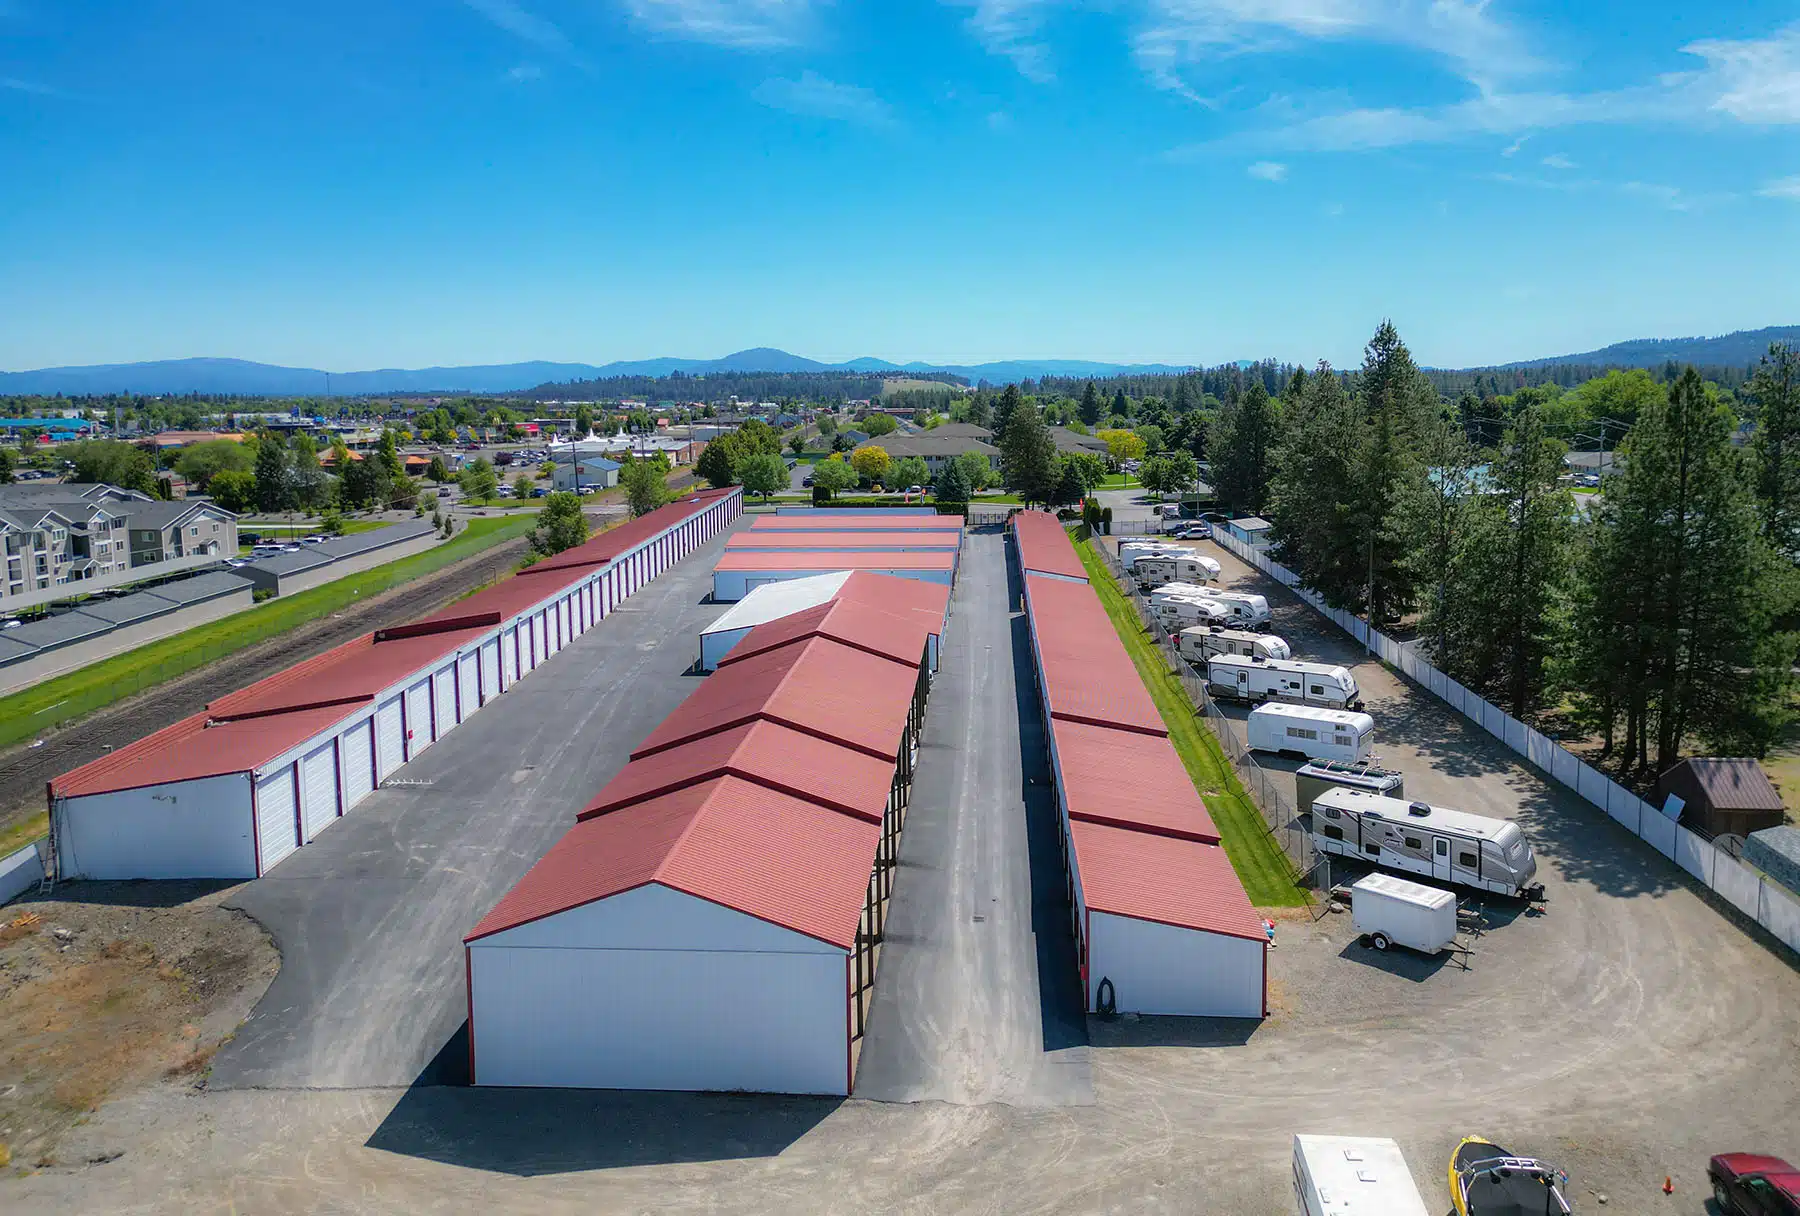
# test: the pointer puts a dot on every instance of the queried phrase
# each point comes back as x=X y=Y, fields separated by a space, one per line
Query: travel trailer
x=1134 y=551
x=1177 y=612
x=1307 y=730
x=1187 y=567
x=1311 y=780
x=1239 y=611
x=1353 y=1176
x=1256 y=607
x=1203 y=641
x=1252 y=680
x=1393 y=911
x=1431 y=841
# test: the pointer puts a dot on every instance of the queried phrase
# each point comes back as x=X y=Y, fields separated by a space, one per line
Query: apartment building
x=53 y=534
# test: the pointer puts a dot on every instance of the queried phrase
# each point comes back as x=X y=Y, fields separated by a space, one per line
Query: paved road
x=370 y=918
x=977 y=999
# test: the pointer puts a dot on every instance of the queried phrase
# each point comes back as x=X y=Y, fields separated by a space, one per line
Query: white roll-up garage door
x=490 y=670
x=390 y=737
x=468 y=687
x=276 y=828
x=358 y=747
x=319 y=789
x=443 y=698
x=418 y=718
x=509 y=657
x=538 y=640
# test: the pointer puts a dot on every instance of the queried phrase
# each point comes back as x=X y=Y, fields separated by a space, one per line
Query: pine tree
x=1028 y=462
x=274 y=483
x=1090 y=405
x=1314 y=488
x=1434 y=518
x=1240 y=444
x=1398 y=403
x=1010 y=400
x=1775 y=451
x=1120 y=406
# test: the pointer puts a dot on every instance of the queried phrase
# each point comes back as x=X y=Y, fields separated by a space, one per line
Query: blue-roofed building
x=595 y=471
x=55 y=426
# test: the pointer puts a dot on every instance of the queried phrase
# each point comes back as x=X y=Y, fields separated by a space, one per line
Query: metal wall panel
x=319 y=789
x=390 y=737
x=418 y=718
x=490 y=670
x=357 y=747
x=443 y=700
x=468 y=685
x=189 y=829
x=509 y=657
x=1162 y=969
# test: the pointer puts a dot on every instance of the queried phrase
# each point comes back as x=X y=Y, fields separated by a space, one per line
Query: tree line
x=1655 y=611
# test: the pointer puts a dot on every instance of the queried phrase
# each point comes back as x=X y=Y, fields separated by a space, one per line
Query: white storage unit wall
x=240 y=824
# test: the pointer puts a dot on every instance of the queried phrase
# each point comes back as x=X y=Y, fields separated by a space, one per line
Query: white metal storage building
x=232 y=791
x=711 y=922
x=773 y=601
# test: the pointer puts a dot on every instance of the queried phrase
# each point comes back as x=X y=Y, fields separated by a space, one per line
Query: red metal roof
x=1044 y=545
x=615 y=541
x=355 y=671
x=877 y=539
x=191 y=749
x=1086 y=673
x=1158 y=878
x=901 y=638
x=817 y=686
x=837 y=559
x=930 y=602
x=766 y=753
x=856 y=523
x=1129 y=780
x=740 y=845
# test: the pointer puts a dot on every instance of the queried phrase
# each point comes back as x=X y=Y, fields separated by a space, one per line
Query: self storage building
x=713 y=919
x=928 y=602
x=737 y=574
x=232 y=791
x=870 y=540
x=1043 y=547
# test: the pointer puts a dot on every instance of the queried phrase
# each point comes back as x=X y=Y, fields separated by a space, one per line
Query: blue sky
x=411 y=182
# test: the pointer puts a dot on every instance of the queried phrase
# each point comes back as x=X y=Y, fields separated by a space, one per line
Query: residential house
x=1070 y=441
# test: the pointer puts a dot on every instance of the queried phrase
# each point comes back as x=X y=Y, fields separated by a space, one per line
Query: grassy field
x=1121 y=481
x=890 y=387
x=1260 y=864
x=26 y=713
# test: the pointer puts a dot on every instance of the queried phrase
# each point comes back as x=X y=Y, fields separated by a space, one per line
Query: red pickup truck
x=1750 y=1184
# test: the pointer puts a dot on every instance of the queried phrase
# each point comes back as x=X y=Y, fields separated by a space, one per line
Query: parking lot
x=1626 y=1033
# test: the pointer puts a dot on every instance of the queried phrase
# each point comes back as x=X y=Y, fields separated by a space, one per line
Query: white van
x=1251 y=680
x=1202 y=642
x=1353 y=1176
x=1155 y=570
x=1308 y=730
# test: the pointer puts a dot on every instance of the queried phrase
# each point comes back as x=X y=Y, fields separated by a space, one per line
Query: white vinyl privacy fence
x=1743 y=888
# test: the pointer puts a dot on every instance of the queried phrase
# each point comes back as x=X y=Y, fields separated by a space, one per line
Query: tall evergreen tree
x=1120 y=406
x=1028 y=462
x=1241 y=443
x=1433 y=519
x=1399 y=405
x=1009 y=401
x=1090 y=406
x=1775 y=451
x=1314 y=488
x=274 y=480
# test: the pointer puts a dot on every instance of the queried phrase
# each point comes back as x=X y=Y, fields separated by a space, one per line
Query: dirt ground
x=107 y=987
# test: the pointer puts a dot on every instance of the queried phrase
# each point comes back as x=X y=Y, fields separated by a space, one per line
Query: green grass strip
x=26 y=714
x=1261 y=866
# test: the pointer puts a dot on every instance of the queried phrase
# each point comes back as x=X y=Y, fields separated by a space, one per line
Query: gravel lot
x=1626 y=1033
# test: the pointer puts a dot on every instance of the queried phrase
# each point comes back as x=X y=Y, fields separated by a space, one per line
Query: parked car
x=11 y=622
x=807 y=481
x=585 y=491
x=314 y=540
x=915 y=489
x=291 y=547
x=540 y=492
x=1750 y=1184
x=443 y=492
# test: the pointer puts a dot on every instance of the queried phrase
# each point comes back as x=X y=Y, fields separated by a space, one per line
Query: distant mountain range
x=1728 y=350
x=243 y=378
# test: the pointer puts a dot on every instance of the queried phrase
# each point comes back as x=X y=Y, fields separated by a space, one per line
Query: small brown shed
x=1723 y=795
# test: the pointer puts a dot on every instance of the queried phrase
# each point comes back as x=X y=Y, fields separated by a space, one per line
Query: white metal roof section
x=1399 y=810
x=772 y=601
x=1315 y=713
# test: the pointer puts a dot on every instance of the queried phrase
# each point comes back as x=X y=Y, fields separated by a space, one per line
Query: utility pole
x=1369 y=596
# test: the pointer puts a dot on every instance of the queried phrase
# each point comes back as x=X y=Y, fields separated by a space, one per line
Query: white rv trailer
x=1177 y=612
x=1353 y=1176
x=1393 y=911
x=1310 y=731
x=1311 y=780
x=1236 y=612
x=1134 y=551
x=1155 y=570
x=1431 y=841
x=1251 y=680
x=1203 y=641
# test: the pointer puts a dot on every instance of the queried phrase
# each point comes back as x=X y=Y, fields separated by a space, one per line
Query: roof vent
x=1419 y=809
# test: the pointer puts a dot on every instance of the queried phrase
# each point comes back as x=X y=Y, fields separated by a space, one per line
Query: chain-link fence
x=1270 y=799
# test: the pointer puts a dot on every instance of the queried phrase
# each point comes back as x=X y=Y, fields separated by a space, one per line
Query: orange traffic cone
x=1668 y=1185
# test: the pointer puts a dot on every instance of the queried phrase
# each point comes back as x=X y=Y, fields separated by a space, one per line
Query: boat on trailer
x=1486 y=1180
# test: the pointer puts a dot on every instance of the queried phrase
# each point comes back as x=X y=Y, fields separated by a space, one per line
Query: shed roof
x=818 y=687
x=1729 y=783
x=836 y=559
x=732 y=842
x=1157 y=878
x=124 y=609
x=196 y=747
x=852 y=622
x=1045 y=546
x=356 y=671
x=1087 y=674
x=1129 y=780
x=201 y=587
x=767 y=753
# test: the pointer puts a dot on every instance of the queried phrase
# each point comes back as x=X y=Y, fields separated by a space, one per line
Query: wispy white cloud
x=748 y=24
x=1513 y=148
x=528 y=27
x=1757 y=80
x=999 y=120
x=16 y=85
x=1556 y=160
x=525 y=73
x=816 y=97
x=1787 y=187
x=1014 y=29
x=1268 y=171
x=1332 y=209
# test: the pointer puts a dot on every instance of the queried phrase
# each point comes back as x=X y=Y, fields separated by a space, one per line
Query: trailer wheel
x=1380 y=941
x=1363 y=941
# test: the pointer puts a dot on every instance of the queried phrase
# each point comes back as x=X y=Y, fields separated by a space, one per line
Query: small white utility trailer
x=1353 y=1176
x=1391 y=911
